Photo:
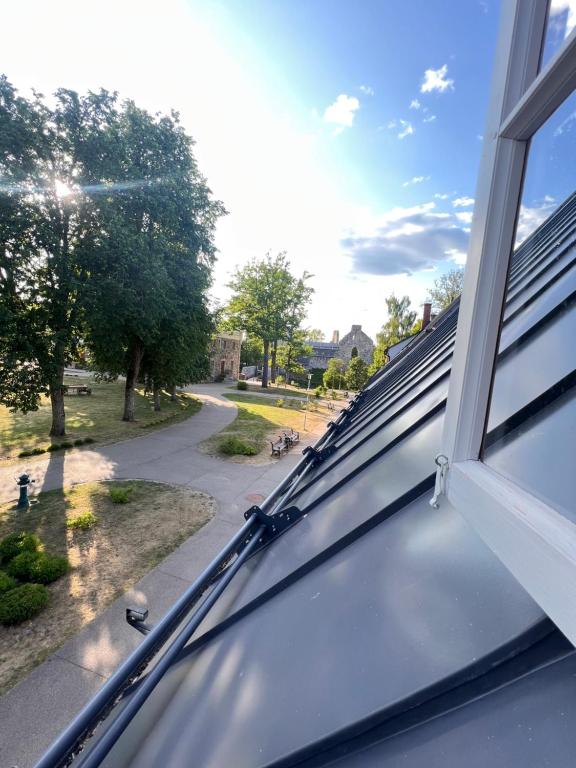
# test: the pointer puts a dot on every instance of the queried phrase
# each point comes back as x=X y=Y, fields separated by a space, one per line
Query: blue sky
x=347 y=133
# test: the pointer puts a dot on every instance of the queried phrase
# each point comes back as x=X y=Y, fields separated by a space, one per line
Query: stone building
x=225 y=355
x=356 y=338
x=322 y=351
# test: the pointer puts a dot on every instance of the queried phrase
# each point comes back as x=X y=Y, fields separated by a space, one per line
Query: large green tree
x=333 y=377
x=267 y=302
x=446 y=289
x=401 y=323
x=289 y=352
x=148 y=283
x=50 y=226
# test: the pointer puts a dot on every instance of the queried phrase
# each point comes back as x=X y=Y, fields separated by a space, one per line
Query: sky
x=347 y=133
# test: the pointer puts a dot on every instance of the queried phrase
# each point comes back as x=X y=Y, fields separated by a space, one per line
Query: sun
x=62 y=190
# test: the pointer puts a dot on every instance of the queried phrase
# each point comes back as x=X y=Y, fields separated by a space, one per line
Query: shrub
x=333 y=394
x=31 y=452
x=82 y=522
x=53 y=447
x=233 y=446
x=280 y=402
x=23 y=454
x=280 y=380
x=79 y=441
x=121 y=495
x=6 y=582
x=38 y=567
x=219 y=378
x=242 y=385
x=22 y=603
x=89 y=440
x=48 y=568
x=16 y=543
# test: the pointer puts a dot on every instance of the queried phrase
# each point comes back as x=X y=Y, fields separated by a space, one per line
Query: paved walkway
x=34 y=712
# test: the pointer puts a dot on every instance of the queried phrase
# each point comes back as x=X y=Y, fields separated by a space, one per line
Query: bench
x=291 y=437
x=78 y=390
x=278 y=446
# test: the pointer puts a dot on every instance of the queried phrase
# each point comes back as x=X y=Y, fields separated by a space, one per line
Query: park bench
x=78 y=390
x=278 y=446
x=291 y=437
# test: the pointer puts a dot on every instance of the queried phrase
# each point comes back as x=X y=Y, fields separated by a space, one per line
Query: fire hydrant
x=24 y=481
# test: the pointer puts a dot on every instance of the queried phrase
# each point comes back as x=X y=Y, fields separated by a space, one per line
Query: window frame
x=533 y=540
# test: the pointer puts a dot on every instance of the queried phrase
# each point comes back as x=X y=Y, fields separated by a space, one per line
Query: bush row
x=67 y=444
x=22 y=558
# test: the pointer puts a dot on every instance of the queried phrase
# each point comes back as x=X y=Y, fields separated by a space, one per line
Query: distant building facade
x=225 y=355
x=323 y=351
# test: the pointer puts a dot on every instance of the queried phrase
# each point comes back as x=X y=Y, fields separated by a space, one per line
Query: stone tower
x=356 y=338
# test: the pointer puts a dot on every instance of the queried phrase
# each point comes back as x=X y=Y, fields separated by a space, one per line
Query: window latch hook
x=441 y=462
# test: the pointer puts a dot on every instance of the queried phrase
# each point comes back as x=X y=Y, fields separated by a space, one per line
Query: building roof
x=377 y=630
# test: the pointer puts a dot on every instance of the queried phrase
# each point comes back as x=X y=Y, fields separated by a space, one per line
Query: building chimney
x=335 y=337
x=426 y=315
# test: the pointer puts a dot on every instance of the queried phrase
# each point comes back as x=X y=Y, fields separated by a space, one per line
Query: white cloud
x=405 y=241
x=415 y=104
x=429 y=119
x=530 y=218
x=341 y=112
x=438 y=196
x=565 y=126
x=458 y=257
x=463 y=202
x=366 y=90
x=480 y=137
x=436 y=80
x=407 y=129
x=415 y=180
x=465 y=217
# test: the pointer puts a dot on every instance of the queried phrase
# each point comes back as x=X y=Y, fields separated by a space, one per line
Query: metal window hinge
x=137 y=619
x=441 y=462
x=318 y=455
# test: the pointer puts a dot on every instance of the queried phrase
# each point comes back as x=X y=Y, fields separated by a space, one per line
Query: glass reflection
x=561 y=22
x=536 y=367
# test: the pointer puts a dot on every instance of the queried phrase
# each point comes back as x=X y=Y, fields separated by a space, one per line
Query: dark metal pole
x=105 y=743
x=89 y=716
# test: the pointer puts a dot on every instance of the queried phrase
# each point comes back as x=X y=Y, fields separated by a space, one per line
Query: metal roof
x=375 y=630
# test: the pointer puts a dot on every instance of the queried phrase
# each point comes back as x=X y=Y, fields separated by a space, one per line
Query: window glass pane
x=532 y=403
x=561 y=21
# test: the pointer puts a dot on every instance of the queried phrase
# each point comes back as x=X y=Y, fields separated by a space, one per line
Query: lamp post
x=307 y=400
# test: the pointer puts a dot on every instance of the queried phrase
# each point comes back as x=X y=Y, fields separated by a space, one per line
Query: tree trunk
x=265 y=364
x=156 y=391
x=173 y=393
x=136 y=354
x=273 y=370
x=58 y=428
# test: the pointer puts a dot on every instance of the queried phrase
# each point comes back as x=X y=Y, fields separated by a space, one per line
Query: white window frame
x=534 y=541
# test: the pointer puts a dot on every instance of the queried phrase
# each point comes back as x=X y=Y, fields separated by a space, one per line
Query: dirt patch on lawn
x=126 y=542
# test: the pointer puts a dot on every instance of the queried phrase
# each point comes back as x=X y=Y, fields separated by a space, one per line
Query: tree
x=400 y=324
x=356 y=374
x=446 y=289
x=267 y=302
x=354 y=352
x=49 y=225
x=251 y=352
x=290 y=350
x=334 y=373
x=146 y=305
x=314 y=334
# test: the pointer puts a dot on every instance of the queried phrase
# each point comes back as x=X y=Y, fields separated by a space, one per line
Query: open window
x=509 y=433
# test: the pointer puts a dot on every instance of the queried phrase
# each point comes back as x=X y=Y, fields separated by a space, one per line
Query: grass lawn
x=98 y=415
x=259 y=420
x=126 y=542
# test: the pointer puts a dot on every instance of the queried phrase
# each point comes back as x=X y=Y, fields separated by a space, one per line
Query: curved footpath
x=34 y=712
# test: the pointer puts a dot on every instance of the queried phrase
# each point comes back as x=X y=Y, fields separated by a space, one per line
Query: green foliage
x=31 y=452
x=66 y=445
x=268 y=302
x=242 y=385
x=17 y=543
x=446 y=289
x=22 y=603
x=48 y=568
x=333 y=394
x=357 y=373
x=320 y=391
x=121 y=495
x=314 y=334
x=6 y=582
x=53 y=447
x=291 y=350
x=280 y=402
x=354 y=352
x=89 y=440
x=82 y=522
x=251 y=351
x=234 y=446
x=334 y=373
x=21 y=566
x=400 y=324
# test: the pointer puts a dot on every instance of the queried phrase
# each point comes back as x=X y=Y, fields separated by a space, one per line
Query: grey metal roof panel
x=418 y=600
